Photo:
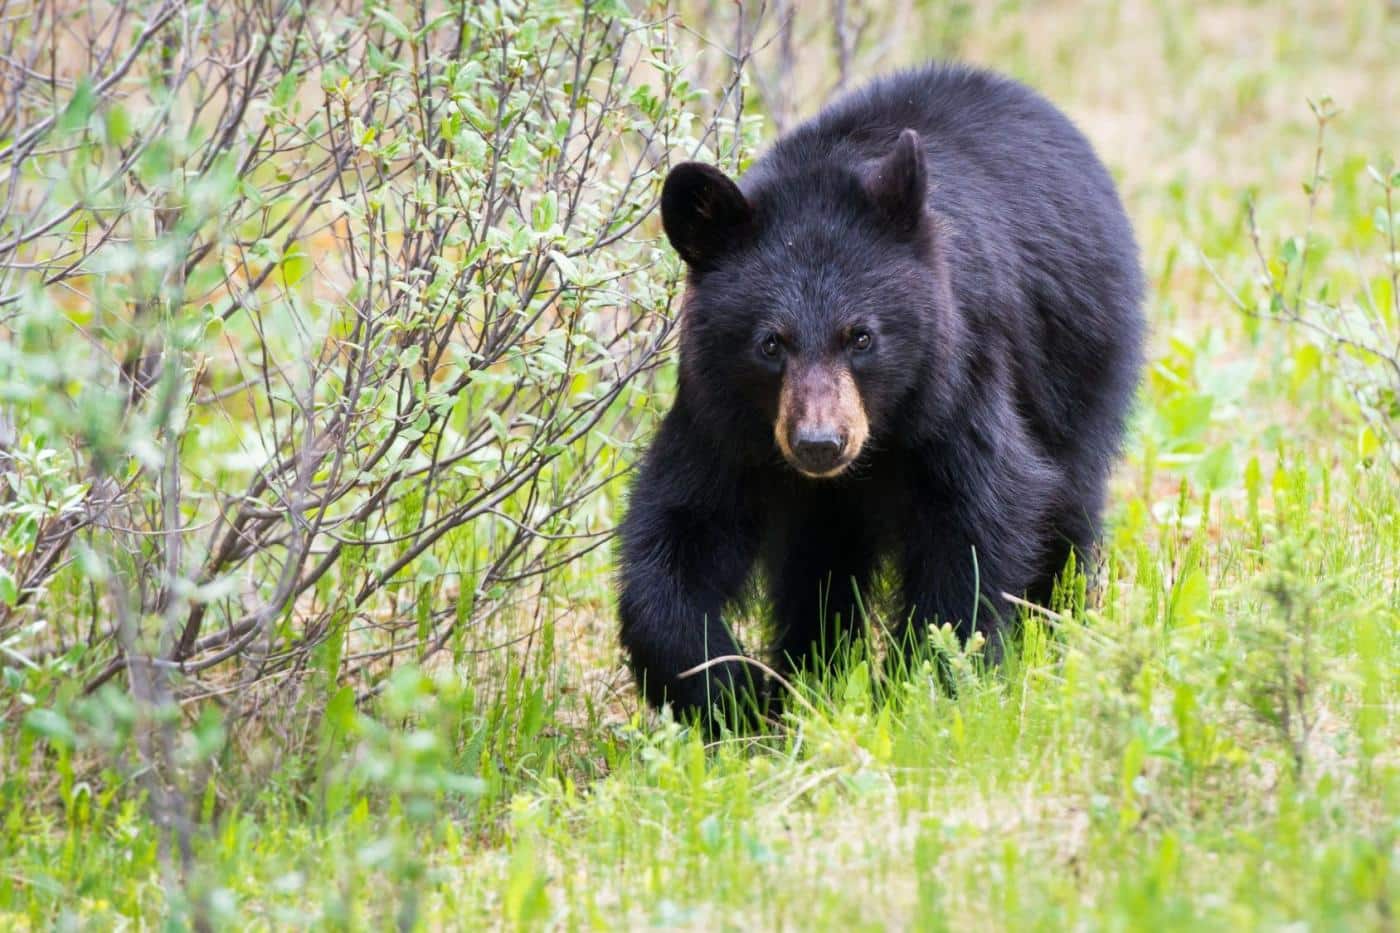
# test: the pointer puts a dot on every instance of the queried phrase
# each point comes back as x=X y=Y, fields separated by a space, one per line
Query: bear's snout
x=821 y=423
x=818 y=449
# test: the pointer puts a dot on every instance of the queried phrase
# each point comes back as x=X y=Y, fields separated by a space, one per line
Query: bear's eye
x=769 y=346
x=860 y=340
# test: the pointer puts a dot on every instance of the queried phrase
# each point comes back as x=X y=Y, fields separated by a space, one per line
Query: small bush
x=1343 y=298
x=324 y=334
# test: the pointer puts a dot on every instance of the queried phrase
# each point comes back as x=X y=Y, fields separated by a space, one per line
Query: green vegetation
x=436 y=731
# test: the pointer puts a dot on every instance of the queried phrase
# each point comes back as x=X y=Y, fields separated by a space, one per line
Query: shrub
x=1345 y=303
x=325 y=329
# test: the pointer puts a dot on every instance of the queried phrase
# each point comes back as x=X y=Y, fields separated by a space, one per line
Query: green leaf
x=568 y=271
x=857 y=690
x=294 y=266
x=286 y=88
x=9 y=592
x=51 y=725
x=118 y=126
x=498 y=425
x=340 y=711
x=546 y=210
x=155 y=164
x=1216 y=469
x=392 y=23
x=526 y=897
x=1191 y=598
x=79 y=109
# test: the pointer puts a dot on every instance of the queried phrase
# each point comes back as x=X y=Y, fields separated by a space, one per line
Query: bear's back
x=958 y=110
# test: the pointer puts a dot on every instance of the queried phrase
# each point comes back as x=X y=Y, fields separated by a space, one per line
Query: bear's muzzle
x=821 y=424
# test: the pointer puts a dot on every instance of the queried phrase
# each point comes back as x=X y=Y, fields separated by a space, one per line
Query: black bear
x=911 y=333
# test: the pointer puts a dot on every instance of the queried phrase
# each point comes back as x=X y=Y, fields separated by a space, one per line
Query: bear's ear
x=703 y=211
x=899 y=183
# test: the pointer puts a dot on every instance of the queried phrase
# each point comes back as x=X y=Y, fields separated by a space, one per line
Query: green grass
x=1214 y=741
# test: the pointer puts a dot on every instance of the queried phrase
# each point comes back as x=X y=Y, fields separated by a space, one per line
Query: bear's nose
x=817 y=450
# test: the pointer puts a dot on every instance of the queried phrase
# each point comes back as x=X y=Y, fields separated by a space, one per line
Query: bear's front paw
x=733 y=694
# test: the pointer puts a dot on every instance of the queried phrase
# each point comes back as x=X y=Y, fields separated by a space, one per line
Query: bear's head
x=812 y=299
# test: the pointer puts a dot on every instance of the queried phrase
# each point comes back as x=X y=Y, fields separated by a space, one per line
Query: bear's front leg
x=972 y=538
x=952 y=576
x=687 y=546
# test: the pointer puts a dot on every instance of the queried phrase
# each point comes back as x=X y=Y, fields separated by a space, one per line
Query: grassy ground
x=1212 y=741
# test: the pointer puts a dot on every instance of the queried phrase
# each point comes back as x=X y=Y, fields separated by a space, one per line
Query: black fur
x=966 y=224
